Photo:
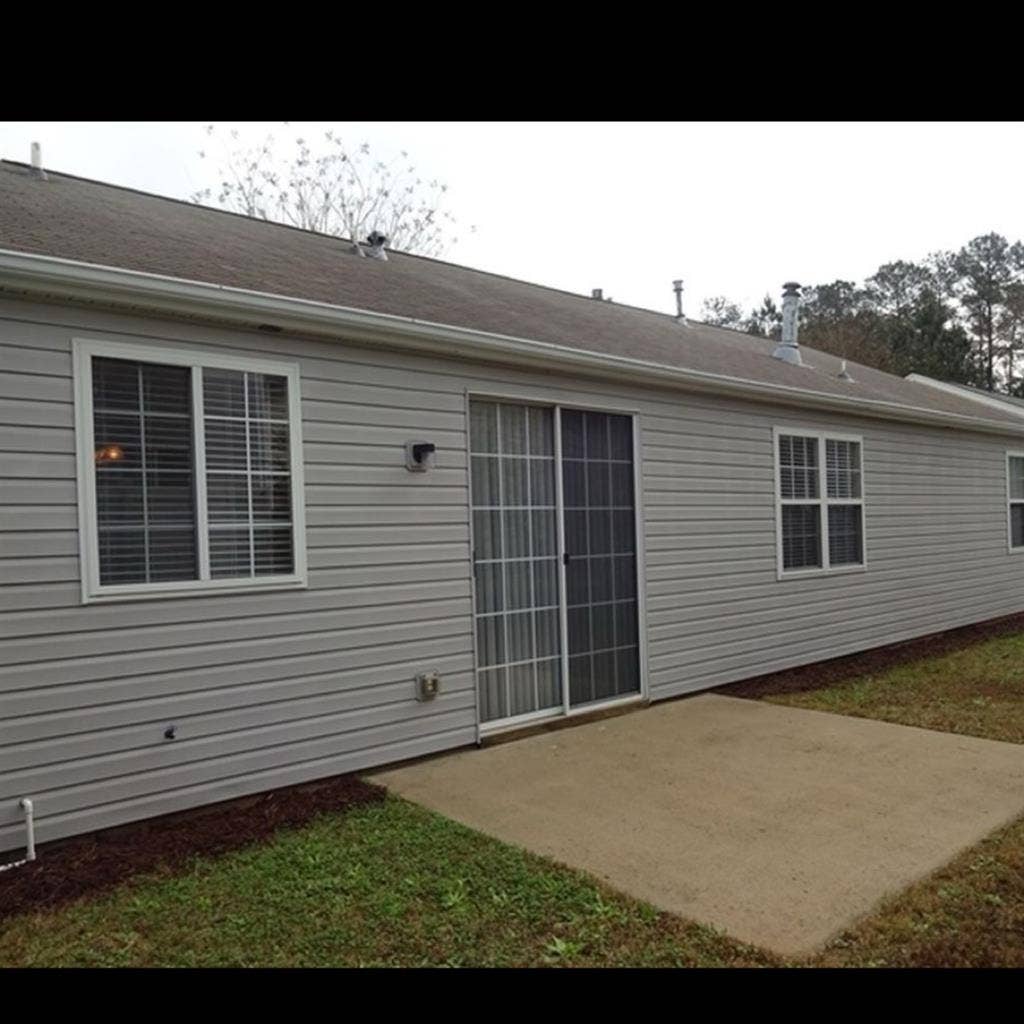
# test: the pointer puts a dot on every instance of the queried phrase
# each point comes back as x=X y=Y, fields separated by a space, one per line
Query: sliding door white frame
x=566 y=710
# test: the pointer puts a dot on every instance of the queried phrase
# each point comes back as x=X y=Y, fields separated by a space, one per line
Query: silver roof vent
x=788 y=349
x=37 y=162
x=372 y=247
x=677 y=287
x=844 y=373
x=376 y=242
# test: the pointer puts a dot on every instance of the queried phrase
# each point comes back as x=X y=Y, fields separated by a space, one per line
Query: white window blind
x=248 y=478
x=820 y=499
x=145 y=498
x=192 y=472
x=1015 y=487
x=845 y=525
x=799 y=480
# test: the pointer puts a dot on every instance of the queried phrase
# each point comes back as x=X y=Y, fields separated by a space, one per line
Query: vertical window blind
x=515 y=537
x=186 y=493
x=821 y=522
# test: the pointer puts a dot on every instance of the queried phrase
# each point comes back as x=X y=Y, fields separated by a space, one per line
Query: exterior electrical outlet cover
x=428 y=685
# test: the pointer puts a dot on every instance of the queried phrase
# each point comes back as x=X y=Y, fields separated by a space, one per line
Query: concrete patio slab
x=779 y=825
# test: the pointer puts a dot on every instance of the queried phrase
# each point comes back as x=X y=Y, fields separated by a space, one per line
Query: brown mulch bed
x=825 y=673
x=85 y=865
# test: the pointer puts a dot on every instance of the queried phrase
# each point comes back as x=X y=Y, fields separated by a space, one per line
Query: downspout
x=30 y=835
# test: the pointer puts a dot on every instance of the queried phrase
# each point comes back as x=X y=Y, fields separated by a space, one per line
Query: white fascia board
x=966 y=392
x=62 y=278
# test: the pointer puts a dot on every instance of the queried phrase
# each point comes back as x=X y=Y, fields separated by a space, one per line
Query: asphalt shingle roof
x=94 y=222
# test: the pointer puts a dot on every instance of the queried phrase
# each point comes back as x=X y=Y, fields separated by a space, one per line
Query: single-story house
x=276 y=506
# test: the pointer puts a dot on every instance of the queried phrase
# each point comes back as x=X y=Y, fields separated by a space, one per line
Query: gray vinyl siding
x=269 y=689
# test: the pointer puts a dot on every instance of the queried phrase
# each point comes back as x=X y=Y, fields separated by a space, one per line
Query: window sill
x=839 y=570
x=196 y=589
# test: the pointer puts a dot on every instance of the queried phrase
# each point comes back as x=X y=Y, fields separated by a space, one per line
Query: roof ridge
x=400 y=252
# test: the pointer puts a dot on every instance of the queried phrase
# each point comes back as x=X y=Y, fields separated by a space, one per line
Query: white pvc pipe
x=30 y=835
x=30 y=828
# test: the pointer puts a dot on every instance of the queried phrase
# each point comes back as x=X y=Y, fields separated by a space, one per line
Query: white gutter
x=56 y=277
x=966 y=392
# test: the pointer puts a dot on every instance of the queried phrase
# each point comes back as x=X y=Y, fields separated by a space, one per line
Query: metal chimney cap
x=791 y=288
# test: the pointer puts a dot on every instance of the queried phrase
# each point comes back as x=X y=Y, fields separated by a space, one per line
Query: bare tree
x=334 y=189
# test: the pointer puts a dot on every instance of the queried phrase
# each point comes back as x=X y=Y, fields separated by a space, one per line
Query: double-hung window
x=1015 y=499
x=819 y=486
x=190 y=471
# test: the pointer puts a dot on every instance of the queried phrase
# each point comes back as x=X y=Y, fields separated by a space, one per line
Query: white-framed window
x=1015 y=500
x=819 y=487
x=189 y=471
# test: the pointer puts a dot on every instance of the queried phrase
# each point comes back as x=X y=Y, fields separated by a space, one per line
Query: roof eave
x=56 y=277
x=962 y=391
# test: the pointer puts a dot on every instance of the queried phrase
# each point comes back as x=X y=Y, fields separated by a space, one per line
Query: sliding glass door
x=600 y=556
x=552 y=603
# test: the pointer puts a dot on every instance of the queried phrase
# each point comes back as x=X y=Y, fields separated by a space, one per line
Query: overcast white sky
x=732 y=208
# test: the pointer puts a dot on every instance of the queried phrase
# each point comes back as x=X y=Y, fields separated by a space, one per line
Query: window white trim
x=823 y=501
x=83 y=352
x=1010 y=502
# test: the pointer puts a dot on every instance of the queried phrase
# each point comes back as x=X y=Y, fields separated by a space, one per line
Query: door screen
x=600 y=555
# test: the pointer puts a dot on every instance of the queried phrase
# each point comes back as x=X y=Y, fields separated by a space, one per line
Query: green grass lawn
x=387 y=884
x=978 y=691
x=394 y=884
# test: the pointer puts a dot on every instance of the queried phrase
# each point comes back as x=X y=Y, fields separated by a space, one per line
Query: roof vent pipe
x=678 y=288
x=372 y=247
x=37 y=161
x=376 y=242
x=787 y=349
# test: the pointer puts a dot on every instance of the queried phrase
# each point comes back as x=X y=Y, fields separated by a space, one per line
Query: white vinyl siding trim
x=822 y=501
x=85 y=350
x=1014 y=496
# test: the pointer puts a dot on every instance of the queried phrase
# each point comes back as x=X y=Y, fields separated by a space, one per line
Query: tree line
x=955 y=316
